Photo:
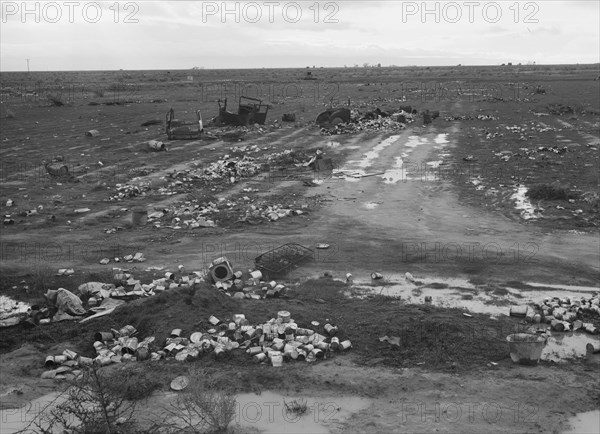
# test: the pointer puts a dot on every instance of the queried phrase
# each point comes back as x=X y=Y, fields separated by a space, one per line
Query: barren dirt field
x=491 y=206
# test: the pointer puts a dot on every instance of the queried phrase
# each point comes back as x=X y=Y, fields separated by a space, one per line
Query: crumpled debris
x=124 y=191
x=392 y=340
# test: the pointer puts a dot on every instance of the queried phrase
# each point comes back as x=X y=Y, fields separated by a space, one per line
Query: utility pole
x=27 y=66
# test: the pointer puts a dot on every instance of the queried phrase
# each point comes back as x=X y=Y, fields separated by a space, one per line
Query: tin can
x=345 y=345
x=103 y=336
x=259 y=358
x=176 y=333
x=331 y=330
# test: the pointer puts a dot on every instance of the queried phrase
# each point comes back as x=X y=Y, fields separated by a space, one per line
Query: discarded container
x=345 y=345
x=128 y=330
x=335 y=344
x=376 y=276
x=156 y=145
x=139 y=217
x=221 y=270
x=92 y=133
x=71 y=355
x=180 y=383
x=259 y=358
x=276 y=359
x=525 y=348
x=176 y=333
x=284 y=316
x=254 y=350
x=103 y=336
x=557 y=326
x=213 y=320
x=49 y=362
x=593 y=348
x=129 y=346
x=331 y=330
x=59 y=360
x=86 y=361
x=519 y=311
x=256 y=275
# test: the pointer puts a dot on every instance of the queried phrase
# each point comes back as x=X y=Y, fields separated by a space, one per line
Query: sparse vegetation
x=297 y=406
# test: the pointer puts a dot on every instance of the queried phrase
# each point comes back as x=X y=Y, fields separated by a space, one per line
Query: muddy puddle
x=25 y=418
x=461 y=294
x=264 y=413
x=563 y=346
x=584 y=423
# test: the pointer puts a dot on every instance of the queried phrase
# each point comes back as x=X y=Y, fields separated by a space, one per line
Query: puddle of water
x=584 y=423
x=267 y=413
x=563 y=346
x=523 y=204
x=8 y=306
x=20 y=419
x=371 y=155
x=392 y=176
x=414 y=141
x=441 y=139
x=564 y=287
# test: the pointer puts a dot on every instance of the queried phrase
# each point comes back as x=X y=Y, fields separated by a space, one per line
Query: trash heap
x=242 y=285
x=137 y=257
x=125 y=191
x=393 y=122
x=479 y=117
x=270 y=212
x=186 y=215
x=275 y=341
x=563 y=314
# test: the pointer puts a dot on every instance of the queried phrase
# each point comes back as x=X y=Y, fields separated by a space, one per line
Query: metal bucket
x=49 y=362
x=526 y=348
x=284 y=316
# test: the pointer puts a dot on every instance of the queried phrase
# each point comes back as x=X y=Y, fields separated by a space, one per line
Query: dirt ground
x=439 y=204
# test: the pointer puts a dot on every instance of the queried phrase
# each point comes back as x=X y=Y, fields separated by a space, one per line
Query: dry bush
x=199 y=408
x=95 y=403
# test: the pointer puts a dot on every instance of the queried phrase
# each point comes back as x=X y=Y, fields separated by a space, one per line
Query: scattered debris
x=92 y=133
x=156 y=145
x=562 y=314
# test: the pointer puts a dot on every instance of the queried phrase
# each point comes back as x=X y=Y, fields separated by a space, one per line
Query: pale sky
x=79 y=35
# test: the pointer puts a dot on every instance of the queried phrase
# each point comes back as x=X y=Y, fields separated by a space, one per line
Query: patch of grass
x=298 y=407
x=550 y=192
